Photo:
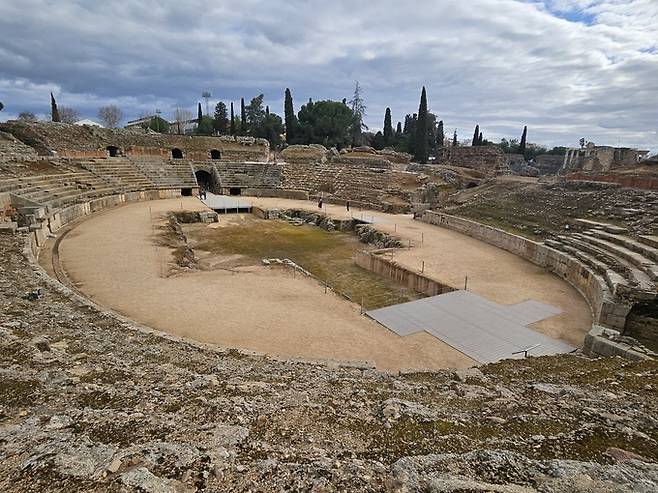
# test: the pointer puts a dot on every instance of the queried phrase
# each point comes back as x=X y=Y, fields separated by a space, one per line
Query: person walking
x=347 y=205
x=320 y=203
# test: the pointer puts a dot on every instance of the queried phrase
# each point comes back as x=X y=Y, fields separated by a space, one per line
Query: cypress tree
x=454 y=139
x=421 y=130
x=290 y=118
x=480 y=139
x=232 y=120
x=267 y=110
x=440 y=136
x=243 y=118
x=199 y=115
x=388 y=128
x=522 y=145
x=398 y=130
x=476 y=135
x=54 y=112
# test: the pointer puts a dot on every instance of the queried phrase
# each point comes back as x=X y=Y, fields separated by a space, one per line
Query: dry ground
x=112 y=259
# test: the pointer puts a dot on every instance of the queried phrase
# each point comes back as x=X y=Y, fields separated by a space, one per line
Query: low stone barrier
x=276 y=193
x=605 y=310
x=374 y=262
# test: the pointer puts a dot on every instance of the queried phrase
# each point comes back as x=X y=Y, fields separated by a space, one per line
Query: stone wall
x=605 y=310
x=375 y=262
x=75 y=141
x=601 y=158
x=488 y=159
x=625 y=180
x=548 y=164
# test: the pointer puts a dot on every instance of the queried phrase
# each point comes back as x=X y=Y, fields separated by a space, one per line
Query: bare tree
x=110 y=115
x=181 y=117
x=27 y=116
x=68 y=114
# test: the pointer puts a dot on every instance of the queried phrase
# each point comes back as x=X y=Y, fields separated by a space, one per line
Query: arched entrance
x=642 y=323
x=215 y=154
x=176 y=153
x=235 y=191
x=204 y=179
x=112 y=151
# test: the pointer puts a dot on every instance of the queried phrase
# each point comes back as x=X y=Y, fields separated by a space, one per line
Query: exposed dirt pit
x=244 y=240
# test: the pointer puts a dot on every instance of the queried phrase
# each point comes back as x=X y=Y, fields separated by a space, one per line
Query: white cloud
x=567 y=68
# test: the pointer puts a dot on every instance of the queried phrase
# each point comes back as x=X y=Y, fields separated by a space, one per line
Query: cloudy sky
x=566 y=68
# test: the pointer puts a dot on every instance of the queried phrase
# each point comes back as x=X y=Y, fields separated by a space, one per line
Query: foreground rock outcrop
x=90 y=402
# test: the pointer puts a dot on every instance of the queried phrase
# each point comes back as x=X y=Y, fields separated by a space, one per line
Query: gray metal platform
x=228 y=202
x=479 y=328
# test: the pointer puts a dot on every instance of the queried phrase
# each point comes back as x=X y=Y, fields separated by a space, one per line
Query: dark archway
x=176 y=153
x=642 y=323
x=471 y=184
x=112 y=151
x=204 y=179
x=235 y=191
x=186 y=192
x=215 y=154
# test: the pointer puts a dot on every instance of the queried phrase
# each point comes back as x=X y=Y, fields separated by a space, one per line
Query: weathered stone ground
x=538 y=210
x=89 y=403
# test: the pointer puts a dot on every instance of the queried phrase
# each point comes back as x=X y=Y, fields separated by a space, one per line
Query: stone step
x=610 y=228
x=637 y=259
x=647 y=251
x=650 y=240
x=636 y=283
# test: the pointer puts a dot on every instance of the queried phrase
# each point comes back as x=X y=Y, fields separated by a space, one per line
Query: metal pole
x=465 y=283
x=422 y=237
x=395 y=227
x=422 y=269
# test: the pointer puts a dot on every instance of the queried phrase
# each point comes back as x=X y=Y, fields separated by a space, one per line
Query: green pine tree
x=388 y=128
x=232 y=120
x=199 y=115
x=290 y=118
x=524 y=137
x=440 y=135
x=220 y=121
x=476 y=136
x=454 y=139
x=421 y=153
x=54 y=112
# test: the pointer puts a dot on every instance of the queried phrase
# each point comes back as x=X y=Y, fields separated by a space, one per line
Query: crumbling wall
x=488 y=159
x=83 y=141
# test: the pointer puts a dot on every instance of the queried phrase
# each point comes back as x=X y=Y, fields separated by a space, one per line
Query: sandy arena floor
x=111 y=257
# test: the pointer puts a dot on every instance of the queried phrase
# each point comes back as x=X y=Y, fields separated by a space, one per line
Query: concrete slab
x=479 y=328
x=220 y=202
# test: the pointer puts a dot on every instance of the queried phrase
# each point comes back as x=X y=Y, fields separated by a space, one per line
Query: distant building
x=601 y=158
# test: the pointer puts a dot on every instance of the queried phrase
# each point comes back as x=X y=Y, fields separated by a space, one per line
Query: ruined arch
x=204 y=179
x=176 y=153
x=215 y=154
x=113 y=151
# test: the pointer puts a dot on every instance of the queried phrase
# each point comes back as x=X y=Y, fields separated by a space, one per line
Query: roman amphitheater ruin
x=187 y=313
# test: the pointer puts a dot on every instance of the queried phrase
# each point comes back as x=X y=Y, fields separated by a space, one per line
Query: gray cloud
x=567 y=68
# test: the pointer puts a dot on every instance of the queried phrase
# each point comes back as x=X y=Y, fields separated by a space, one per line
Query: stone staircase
x=120 y=172
x=343 y=181
x=626 y=267
x=248 y=175
x=171 y=173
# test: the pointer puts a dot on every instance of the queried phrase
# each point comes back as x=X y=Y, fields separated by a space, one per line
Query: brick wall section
x=77 y=141
x=626 y=181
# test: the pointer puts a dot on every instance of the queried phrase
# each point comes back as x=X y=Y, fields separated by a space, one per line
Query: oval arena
x=179 y=314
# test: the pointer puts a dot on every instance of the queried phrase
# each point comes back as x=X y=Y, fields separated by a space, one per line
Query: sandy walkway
x=493 y=273
x=111 y=257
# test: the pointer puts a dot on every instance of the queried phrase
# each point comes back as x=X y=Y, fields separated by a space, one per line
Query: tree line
x=330 y=123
